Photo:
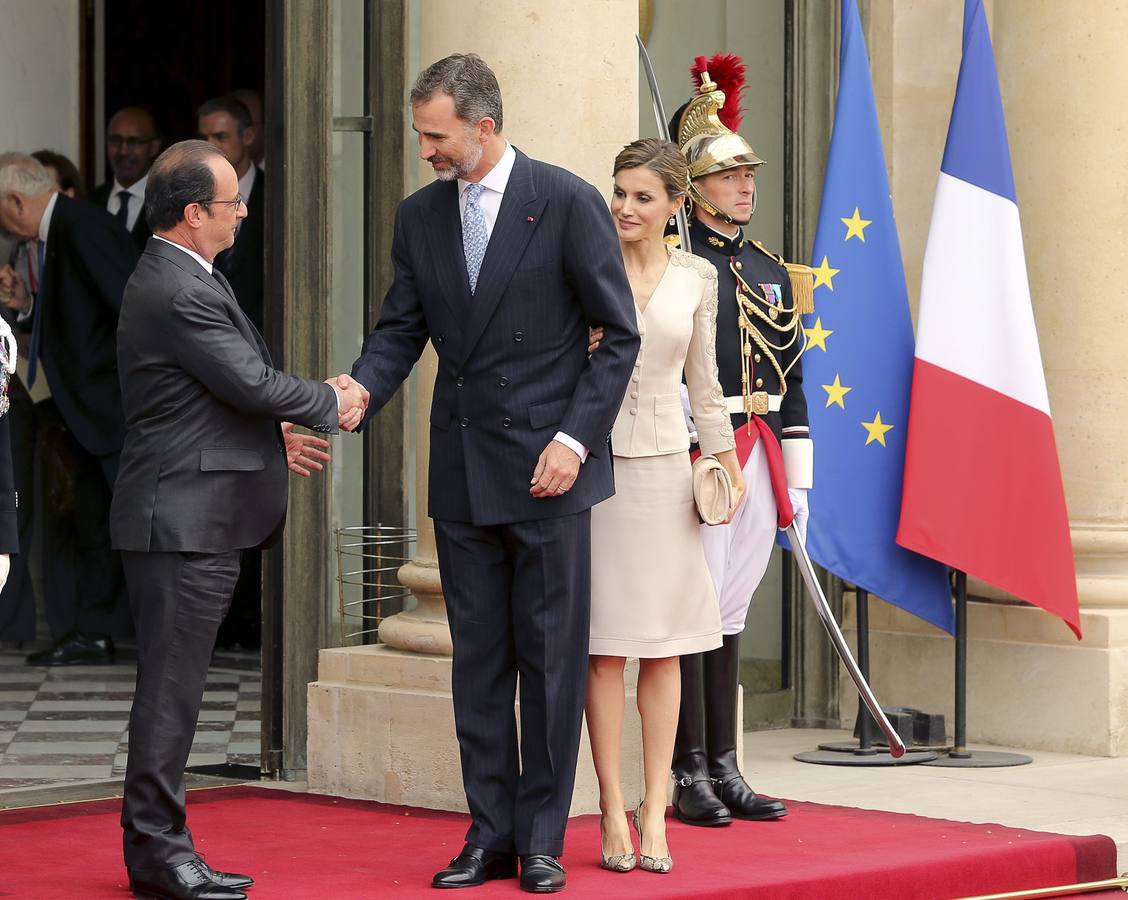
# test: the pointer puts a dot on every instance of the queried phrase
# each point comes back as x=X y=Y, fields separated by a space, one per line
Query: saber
x=664 y=133
x=814 y=589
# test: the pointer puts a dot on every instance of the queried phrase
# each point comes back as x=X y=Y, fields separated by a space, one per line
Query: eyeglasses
x=235 y=204
x=131 y=143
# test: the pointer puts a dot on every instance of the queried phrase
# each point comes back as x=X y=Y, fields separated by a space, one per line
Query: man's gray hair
x=23 y=174
x=468 y=81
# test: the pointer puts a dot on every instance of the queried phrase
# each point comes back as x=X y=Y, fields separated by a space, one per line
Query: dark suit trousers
x=83 y=584
x=518 y=599
x=178 y=601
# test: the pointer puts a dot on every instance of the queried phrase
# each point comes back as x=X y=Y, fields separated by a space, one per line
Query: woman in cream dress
x=652 y=595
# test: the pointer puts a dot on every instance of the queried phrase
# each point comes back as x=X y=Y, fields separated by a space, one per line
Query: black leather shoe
x=76 y=650
x=744 y=803
x=187 y=881
x=542 y=874
x=475 y=866
x=227 y=879
x=696 y=803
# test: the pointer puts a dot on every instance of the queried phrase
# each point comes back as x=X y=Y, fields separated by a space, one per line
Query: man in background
x=132 y=143
x=84 y=259
x=253 y=101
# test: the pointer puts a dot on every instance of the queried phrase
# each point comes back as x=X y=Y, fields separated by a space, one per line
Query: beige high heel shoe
x=622 y=862
x=660 y=865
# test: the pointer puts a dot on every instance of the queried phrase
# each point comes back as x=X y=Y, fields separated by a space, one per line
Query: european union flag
x=857 y=370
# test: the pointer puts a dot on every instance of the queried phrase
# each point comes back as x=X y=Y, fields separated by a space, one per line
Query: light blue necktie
x=474 y=234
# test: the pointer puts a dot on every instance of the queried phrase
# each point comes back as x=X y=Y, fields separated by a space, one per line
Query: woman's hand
x=729 y=460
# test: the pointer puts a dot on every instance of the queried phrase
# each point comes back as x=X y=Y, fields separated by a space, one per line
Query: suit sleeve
x=706 y=399
x=594 y=267
x=798 y=449
x=397 y=341
x=211 y=349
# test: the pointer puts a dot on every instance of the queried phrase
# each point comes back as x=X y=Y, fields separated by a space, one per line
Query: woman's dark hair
x=69 y=179
x=179 y=176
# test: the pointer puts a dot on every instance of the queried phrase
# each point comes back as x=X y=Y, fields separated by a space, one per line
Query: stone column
x=1061 y=78
x=569 y=80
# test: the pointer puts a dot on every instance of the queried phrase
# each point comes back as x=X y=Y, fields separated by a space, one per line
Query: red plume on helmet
x=727 y=71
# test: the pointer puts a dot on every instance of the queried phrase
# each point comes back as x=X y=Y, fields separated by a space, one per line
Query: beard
x=459 y=167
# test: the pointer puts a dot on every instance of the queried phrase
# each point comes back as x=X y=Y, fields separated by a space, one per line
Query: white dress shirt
x=44 y=229
x=192 y=253
x=136 y=200
x=495 y=182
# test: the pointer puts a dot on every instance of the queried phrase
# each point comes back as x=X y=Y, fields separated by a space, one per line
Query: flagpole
x=862 y=753
x=959 y=757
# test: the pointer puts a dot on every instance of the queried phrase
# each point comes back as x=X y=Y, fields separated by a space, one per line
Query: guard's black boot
x=695 y=803
x=721 y=669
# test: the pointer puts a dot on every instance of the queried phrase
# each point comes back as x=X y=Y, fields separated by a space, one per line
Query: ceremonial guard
x=759 y=344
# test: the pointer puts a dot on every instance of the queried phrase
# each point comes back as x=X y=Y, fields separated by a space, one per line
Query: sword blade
x=664 y=133
x=814 y=589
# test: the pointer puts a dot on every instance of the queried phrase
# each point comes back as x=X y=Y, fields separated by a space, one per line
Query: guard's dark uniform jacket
x=759 y=336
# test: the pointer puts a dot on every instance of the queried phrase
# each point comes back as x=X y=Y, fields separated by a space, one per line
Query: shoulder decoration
x=692 y=261
x=802 y=280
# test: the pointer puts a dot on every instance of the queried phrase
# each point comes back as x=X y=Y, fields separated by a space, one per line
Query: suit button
x=759 y=382
x=442 y=338
x=465 y=423
x=634 y=412
x=503 y=381
x=458 y=381
x=518 y=336
x=634 y=395
x=506 y=422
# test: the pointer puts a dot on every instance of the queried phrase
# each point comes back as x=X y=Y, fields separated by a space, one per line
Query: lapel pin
x=529 y=219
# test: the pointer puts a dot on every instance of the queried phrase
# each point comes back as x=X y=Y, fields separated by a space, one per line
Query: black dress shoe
x=475 y=866
x=187 y=881
x=744 y=803
x=227 y=879
x=696 y=803
x=76 y=650
x=542 y=874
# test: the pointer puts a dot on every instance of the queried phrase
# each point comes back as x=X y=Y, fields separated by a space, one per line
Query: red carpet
x=304 y=846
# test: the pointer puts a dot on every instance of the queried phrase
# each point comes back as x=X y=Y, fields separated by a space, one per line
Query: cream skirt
x=651 y=592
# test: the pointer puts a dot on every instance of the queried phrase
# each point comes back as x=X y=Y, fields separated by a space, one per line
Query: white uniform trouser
x=738 y=553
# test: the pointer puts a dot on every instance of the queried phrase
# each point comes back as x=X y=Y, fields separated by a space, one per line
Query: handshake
x=352 y=401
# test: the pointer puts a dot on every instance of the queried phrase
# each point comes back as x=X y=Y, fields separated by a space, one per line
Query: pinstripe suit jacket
x=513 y=363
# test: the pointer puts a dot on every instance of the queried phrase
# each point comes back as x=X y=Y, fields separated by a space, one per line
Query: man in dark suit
x=203 y=475
x=501 y=263
x=132 y=143
x=226 y=123
x=84 y=261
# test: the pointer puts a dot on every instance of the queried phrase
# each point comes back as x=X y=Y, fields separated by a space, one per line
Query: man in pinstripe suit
x=501 y=263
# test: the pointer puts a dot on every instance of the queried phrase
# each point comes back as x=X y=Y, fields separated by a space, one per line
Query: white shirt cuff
x=572 y=444
x=26 y=314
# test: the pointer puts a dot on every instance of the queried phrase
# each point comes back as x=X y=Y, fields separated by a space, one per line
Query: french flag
x=982 y=489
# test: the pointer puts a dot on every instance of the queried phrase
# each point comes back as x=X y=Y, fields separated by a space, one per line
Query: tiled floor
x=65 y=726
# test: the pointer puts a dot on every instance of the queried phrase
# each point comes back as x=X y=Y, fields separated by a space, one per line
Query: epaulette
x=802 y=280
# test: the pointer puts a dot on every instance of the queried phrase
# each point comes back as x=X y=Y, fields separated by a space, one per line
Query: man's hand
x=595 y=335
x=304 y=451
x=13 y=294
x=556 y=471
x=352 y=401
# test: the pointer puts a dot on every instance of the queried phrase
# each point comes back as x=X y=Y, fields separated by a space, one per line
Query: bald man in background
x=132 y=143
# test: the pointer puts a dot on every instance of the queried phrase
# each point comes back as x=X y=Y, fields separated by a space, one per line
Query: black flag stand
x=959 y=756
x=862 y=752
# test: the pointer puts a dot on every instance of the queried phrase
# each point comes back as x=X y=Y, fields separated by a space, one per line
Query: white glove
x=802 y=510
x=5 y=566
x=688 y=412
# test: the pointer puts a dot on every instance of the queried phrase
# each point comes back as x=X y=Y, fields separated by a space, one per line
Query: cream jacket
x=679 y=333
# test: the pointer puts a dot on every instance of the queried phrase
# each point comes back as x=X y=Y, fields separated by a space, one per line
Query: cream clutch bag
x=712 y=490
